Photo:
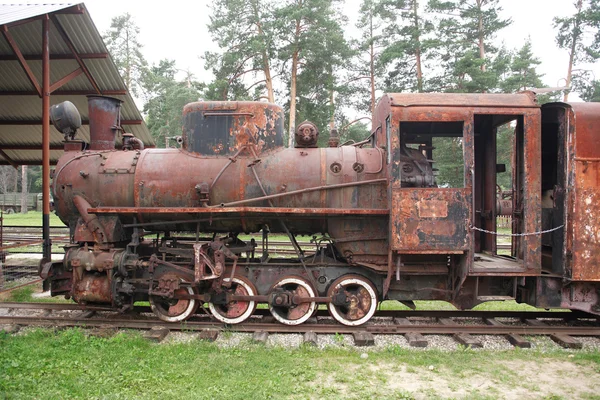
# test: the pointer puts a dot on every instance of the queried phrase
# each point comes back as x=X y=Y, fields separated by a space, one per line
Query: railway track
x=561 y=326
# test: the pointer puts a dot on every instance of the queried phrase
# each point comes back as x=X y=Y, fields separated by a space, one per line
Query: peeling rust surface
x=586 y=202
x=223 y=128
x=430 y=219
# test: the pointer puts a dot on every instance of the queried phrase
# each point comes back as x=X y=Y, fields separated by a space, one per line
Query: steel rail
x=192 y=325
x=568 y=315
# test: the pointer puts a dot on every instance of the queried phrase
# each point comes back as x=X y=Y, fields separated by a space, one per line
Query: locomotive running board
x=239 y=210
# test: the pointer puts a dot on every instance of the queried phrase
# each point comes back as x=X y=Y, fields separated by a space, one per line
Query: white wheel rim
x=245 y=315
x=355 y=281
x=311 y=309
x=177 y=318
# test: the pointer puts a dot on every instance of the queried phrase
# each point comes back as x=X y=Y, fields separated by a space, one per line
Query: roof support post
x=47 y=248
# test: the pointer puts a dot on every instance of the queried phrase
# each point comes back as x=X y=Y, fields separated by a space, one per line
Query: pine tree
x=410 y=45
x=166 y=98
x=243 y=29
x=122 y=42
x=522 y=73
x=366 y=69
x=467 y=29
x=579 y=34
x=313 y=48
x=587 y=86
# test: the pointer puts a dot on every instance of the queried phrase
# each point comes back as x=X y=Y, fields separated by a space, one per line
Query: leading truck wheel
x=354 y=300
x=174 y=310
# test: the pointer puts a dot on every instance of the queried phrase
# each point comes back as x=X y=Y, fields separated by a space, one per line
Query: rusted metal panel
x=430 y=219
x=519 y=100
x=532 y=190
x=586 y=193
x=223 y=128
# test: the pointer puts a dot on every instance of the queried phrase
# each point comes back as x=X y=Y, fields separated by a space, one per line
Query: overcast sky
x=177 y=30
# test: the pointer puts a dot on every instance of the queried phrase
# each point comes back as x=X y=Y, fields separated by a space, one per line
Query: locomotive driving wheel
x=235 y=312
x=283 y=307
x=171 y=309
x=354 y=300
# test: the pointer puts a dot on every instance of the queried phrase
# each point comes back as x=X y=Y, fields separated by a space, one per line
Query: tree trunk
x=292 y=118
x=268 y=79
x=295 y=59
x=332 y=108
x=576 y=31
x=480 y=35
x=24 y=189
x=372 y=68
x=265 y=56
x=127 y=61
x=418 y=47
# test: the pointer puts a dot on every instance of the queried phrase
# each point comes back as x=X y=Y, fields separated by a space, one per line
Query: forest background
x=305 y=56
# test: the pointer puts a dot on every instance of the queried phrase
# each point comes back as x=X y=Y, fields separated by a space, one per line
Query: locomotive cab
x=443 y=228
x=444 y=235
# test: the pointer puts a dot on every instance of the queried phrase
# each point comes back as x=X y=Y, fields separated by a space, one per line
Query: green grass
x=68 y=364
x=32 y=218
x=24 y=295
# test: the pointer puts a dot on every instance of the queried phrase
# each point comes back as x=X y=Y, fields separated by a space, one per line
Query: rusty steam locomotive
x=170 y=225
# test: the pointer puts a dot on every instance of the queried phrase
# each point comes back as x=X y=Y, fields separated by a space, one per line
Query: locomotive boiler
x=182 y=227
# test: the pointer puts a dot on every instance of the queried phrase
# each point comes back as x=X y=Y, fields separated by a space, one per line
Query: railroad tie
x=10 y=329
x=209 y=335
x=363 y=338
x=414 y=339
x=463 y=338
x=103 y=331
x=87 y=314
x=156 y=334
x=561 y=339
x=310 y=339
x=260 y=337
x=513 y=338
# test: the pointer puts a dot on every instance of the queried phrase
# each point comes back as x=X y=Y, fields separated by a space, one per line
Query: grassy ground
x=32 y=218
x=68 y=364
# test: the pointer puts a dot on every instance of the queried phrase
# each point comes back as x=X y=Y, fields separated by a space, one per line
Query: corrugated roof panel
x=105 y=73
x=27 y=135
x=86 y=39
x=16 y=12
x=29 y=39
x=14 y=78
x=83 y=33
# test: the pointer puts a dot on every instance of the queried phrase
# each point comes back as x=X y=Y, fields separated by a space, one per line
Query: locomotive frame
x=388 y=231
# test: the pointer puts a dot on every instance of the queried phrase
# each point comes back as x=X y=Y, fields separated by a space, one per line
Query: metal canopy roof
x=79 y=65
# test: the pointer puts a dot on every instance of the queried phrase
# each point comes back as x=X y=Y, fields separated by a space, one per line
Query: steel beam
x=38 y=57
x=28 y=162
x=64 y=80
x=21 y=59
x=29 y=147
x=8 y=159
x=25 y=122
x=76 y=9
x=47 y=247
x=71 y=47
x=118 y=92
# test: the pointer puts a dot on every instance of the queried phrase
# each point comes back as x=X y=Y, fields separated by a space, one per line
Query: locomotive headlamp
x=66 y=119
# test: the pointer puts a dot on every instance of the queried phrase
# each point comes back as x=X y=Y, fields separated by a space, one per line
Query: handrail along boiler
x=171 y=225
